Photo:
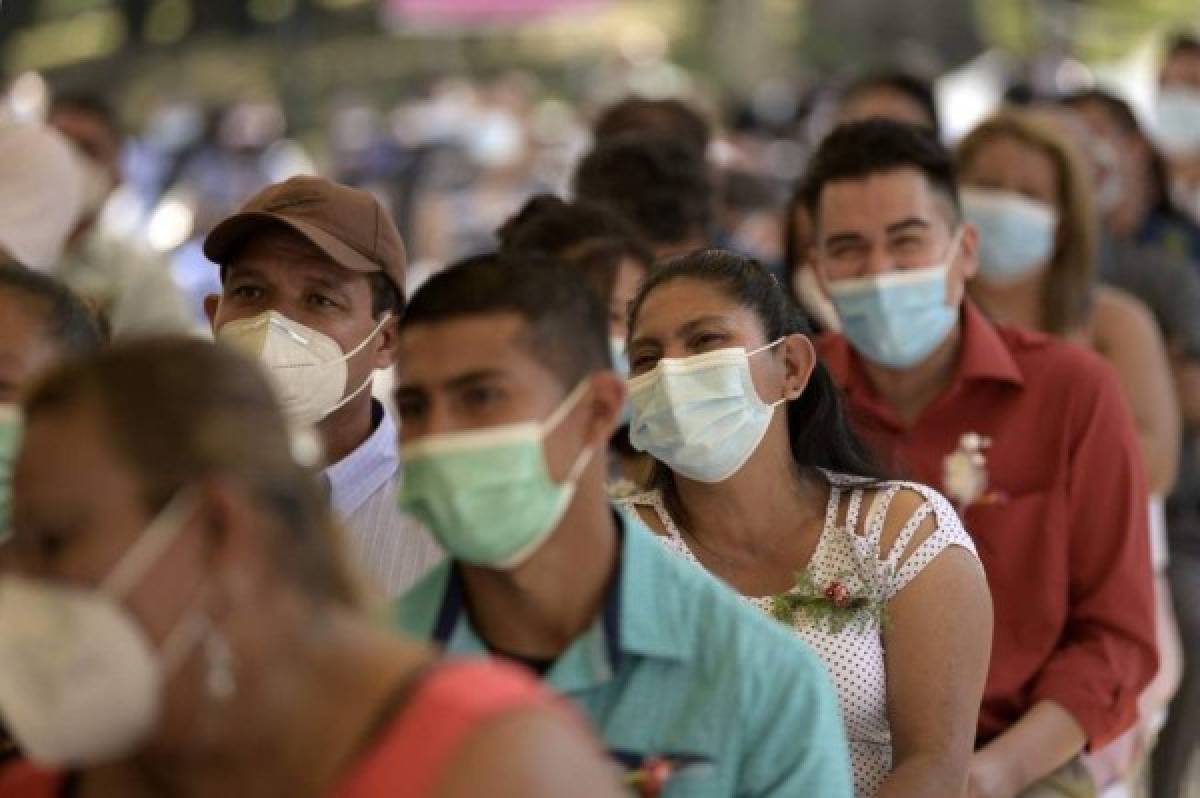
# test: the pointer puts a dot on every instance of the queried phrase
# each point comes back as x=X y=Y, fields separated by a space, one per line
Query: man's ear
x=387 y=343
x=607 y=400
x=211 y=303
x=968 y=251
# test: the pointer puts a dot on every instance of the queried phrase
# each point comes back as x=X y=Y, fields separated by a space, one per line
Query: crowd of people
x=668 y=484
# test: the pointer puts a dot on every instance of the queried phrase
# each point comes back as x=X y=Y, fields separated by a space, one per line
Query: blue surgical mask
x=1177 y=120
x=10 y=437
x=700 y=416
x=897 y=320
x=620 y=358
x=1016 y=234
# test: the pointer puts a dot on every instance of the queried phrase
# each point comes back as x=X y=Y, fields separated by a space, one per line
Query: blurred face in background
x=1182 y=70
x=92 y=135
x=1009 y=165
x=1120 y=160
x=26 y=346
x=630 y=274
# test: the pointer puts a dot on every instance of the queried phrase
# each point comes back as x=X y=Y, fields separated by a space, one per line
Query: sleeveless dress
x=413 y=751
x=855 y=656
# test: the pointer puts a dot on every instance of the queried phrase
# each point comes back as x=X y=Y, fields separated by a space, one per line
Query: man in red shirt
x=1028 y=435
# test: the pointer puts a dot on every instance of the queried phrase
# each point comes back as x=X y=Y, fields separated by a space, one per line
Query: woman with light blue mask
x=1027 y=191
x=762 y=481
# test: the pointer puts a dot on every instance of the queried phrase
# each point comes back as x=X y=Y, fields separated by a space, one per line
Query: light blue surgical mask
x=620 y=359
x=700 y=416
x=1016 y=234
x=10 y=438
x=619 y=356
x=897 y=319
x=1177 y=120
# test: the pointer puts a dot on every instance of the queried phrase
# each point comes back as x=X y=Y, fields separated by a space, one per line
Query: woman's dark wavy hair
x=819 y=427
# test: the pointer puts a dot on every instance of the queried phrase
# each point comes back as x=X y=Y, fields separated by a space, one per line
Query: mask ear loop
x=386 y=318
x=557 y=417
x=763 y=348
x=370 y=377
x=146 y=550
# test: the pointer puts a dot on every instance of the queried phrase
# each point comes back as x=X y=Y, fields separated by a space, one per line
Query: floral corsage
x=832 y=605
x=965 y=473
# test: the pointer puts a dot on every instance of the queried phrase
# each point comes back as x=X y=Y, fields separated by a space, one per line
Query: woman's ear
x=799 y=358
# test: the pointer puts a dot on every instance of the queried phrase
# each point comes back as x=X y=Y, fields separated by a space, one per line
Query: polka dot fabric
x=855 y=656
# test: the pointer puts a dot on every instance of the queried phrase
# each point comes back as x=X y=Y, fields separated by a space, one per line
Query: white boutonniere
x=965 y=474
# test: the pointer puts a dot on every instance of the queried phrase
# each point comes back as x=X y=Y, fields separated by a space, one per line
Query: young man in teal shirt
x=507 y=399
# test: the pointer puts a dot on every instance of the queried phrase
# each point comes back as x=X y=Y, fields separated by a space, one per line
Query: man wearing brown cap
x=312 y=277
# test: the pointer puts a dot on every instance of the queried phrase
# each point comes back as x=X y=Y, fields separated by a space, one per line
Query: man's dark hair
x=565 y=326
x=914 y=88
x=88 y=103
x=550 y=225
x=859 y=150
x=581 y=235
x=668 y=118
x=66 y=319
x=661 y=186
x=1182 y=42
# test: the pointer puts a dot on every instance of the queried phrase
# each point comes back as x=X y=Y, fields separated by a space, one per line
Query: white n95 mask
x=80 y=682
x=307 y=368
x=700 y=415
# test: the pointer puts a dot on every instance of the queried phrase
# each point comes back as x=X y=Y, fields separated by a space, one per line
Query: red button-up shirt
x=1061 y=528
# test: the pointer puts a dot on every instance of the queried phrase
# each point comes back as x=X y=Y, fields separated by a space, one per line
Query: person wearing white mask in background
x=312 y=276
x=1027 y=191
x=1028 y=435
x=761 y=478
x=1177 y=121
x=131 y=288
x=42 y=188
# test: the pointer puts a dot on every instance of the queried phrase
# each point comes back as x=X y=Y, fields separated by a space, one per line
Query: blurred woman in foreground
x=176 y=618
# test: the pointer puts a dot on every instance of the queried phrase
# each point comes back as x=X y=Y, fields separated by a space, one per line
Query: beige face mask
x=307 y=368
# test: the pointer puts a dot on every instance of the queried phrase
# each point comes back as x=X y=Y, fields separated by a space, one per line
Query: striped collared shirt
x=393 y=549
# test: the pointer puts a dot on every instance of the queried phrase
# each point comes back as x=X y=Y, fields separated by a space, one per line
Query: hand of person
x=989 y=778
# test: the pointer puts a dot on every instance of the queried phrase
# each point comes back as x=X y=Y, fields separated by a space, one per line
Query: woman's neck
x=755 y=513
x=306 y=712
x=1016 y=304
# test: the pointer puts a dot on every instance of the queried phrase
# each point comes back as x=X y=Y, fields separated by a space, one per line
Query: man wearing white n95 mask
x=312 y=277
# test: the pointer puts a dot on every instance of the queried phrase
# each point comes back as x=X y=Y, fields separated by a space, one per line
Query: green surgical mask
x=10 y=437
x=486 y=495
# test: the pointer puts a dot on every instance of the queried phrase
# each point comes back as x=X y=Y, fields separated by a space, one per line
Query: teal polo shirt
x=676 y=665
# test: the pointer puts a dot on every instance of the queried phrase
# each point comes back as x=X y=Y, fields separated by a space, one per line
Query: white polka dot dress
x=855 y=656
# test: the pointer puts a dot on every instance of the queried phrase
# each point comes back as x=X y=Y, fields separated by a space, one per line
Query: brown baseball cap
x=347 y=224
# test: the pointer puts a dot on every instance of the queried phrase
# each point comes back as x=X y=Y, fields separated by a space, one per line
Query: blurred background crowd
x=455 y=111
